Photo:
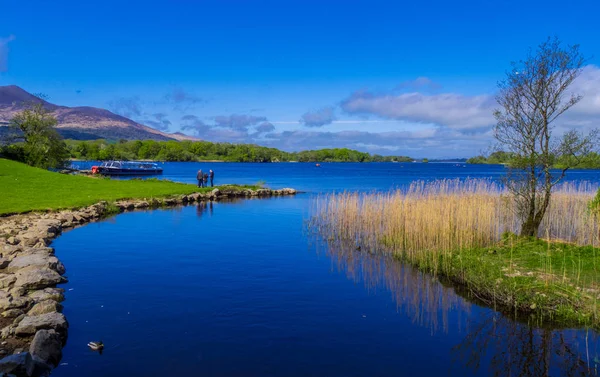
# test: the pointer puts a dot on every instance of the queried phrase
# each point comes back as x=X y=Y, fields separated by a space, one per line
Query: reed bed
x=462 y=229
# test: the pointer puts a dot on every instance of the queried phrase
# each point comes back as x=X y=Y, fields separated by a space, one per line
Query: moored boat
x=127 y=168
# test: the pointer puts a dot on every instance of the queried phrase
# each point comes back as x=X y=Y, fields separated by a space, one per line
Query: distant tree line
x=590 y=160
x=204 y=150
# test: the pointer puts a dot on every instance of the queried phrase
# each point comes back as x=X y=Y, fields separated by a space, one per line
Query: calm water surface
x=239 y=289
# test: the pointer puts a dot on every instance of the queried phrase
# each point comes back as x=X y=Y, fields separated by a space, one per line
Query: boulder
x=21 y=364
x=46 y=306
x=41 y=369
x=56 y=294
x=66 y=217
x=6 y=280
x=36 y=278
x=49 y=321
x=142 y=204
x=40 y=260
x=10 y=250
x=7 y=301
x=18 y=319
x=7 y=331
x=33 y=237
x=169 y=202
x=12 y=313
x=47 y=346
x=49 y=225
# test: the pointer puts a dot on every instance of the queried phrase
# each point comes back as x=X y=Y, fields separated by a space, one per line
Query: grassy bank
x=27 y=189
x=463 y=231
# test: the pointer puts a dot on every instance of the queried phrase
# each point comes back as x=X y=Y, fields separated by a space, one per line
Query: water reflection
x=203 y=207
x=493 y=343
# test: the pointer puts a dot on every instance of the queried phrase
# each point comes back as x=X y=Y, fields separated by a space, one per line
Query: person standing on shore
x=211 y=175
x=200 y=178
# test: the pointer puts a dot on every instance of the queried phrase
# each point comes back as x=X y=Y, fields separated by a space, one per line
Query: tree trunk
x=530 y=227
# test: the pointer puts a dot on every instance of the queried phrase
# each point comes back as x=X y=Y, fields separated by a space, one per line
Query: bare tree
x=533 y=95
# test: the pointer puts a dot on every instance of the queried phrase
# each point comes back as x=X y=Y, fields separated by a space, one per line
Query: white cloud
x=452 y=110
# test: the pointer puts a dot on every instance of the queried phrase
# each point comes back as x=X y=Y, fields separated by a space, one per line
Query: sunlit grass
x=25 y=189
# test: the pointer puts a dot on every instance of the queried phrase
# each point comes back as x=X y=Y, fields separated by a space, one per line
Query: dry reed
x=432 y=218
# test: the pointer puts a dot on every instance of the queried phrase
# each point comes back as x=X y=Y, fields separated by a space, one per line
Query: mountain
x=83 y=122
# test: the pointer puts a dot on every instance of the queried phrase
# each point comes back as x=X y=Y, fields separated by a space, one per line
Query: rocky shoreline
x=33 y=328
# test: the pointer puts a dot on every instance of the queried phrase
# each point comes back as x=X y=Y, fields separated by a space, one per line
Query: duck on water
x=127 y=168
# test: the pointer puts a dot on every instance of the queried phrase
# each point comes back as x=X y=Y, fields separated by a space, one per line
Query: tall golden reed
x=433 y=218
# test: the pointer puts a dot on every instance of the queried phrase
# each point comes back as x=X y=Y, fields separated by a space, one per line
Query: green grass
x=552 y=282
x=26 y=189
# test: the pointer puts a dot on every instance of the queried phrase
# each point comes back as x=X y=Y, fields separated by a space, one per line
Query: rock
x=18 y=319
x=39 y=260
x=7 y=331
x=49 y=225
x=17 y=291
x=47 y=346
x=142 y=204
x=7 y=301
x=49 y=321
x=36 y=278
x=126 y=205
x=10 y=250
x=33 y=237
x=21 y=364
x=263 y=192
x=12 y=240
x=12 y=313
x=56 y=294
x=216 y=192
x=41 y=369
x=6 y=280
x=66 y=217
x=46 y=306
x=4 y=263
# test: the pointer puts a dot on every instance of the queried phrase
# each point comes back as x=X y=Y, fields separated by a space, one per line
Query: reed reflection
x=493 y=343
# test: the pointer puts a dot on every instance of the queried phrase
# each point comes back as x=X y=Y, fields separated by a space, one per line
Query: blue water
x=337 y=176
x=240 y=289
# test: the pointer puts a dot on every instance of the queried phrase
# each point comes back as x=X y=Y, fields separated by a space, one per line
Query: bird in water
x=96 y=346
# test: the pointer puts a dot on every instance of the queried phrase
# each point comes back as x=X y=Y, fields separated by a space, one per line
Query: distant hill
x=84 y=122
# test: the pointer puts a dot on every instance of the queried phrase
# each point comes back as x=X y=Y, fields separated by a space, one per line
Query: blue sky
x=389 y=77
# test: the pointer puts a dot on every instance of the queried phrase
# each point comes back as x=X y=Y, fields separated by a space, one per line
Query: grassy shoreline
x=548 y=281
x=25 y=189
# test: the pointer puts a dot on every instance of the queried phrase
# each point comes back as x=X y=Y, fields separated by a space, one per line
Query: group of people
x=204 y=177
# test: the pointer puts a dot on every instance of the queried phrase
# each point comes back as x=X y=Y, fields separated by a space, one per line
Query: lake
x=241 y=289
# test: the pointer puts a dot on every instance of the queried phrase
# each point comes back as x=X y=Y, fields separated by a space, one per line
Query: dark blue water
x=240 y=289
x=337 y=176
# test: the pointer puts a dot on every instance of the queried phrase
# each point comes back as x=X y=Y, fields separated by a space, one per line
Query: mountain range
x=82 y=122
